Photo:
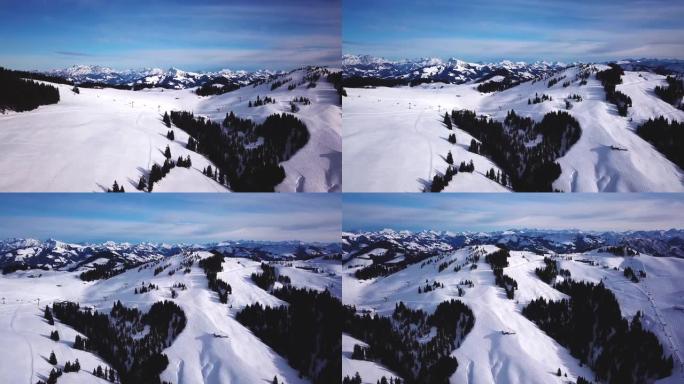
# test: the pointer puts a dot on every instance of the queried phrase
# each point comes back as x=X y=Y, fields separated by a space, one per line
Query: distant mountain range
x=455 y=71
x=54 y=254
x=655 y=243
x=172 y=78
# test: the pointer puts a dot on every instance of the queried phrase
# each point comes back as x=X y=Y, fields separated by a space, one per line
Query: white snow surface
x=88 y=140
x=395 y=141
x=527 y=355
x=213 y=347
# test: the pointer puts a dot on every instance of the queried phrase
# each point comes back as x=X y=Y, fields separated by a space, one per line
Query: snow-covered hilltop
x=284 y=133
x=18 y=254
x=453 y=70
x=507 y=295
x=172 y=78
x=398 y=139
x=191 y=314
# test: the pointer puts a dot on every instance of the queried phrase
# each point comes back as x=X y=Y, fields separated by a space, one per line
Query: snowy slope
x=88 y=140
x=393 y=146
x=505 y=347
x=212 y=348
x=317 y=167
x=394 y=139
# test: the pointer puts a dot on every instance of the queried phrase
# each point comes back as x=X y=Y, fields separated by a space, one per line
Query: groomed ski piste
x=395 y=139
x=213 y=347
x=90 y=139
x=504 y=346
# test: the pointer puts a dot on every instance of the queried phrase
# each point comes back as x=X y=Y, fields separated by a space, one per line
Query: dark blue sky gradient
x=492 y=211
x=170 y=217
x=529 y=30
x=192 y=35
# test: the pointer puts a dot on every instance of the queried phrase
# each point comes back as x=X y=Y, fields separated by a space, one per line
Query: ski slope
x=213 y=347
x=88 y=140
x=505 y=347
x=395 y=141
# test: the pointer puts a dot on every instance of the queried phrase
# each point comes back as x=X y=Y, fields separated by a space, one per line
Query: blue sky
x=528 y=30
x=171 y=217
x=192 y=35
x=491 y=212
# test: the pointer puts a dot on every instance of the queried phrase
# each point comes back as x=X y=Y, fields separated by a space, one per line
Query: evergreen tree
x=142 y=183
x=48 y=316
x=167 y=119
x=167 y=152
x=54 y=335
x=447 y=120
x=449 y=158
x=170 y=135
x=53 y=359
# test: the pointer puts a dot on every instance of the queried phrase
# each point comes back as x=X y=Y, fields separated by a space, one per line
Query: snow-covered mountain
x=668 y=243
x=97 y=136
x=172 y=78
x=397 y=138
x=192 y=316
x=492 y=286
x=57 y=255
x=452 y=71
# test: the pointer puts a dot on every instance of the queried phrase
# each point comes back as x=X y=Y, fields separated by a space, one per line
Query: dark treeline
x=18 y=94
x=217 y=86
x=666 y=136
x=244 y=168
x=550 y=271
x=498 y=260
x=673 y=92
x=306 y=332
x=360 y=82
x=356 y=379
x=102 y=271
x=259 y=101
x=335 y=78
x=396 y=341
x=211 y=266
x=610 y=78
x=117 y=337
x=591 y=326
x=529 y=169
x=378 y=269
x=496 y=86
x=544 y=97
x=268 y=276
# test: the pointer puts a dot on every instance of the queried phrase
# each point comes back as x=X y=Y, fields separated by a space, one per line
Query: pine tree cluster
x=673 y=92
x=20 y=95
x=306 y=331
x=211 y=266
x=591 y=326
x=610 y=78
x=137 y=359
x=528 y=168
x=245 y=168
x=667 y=136
x=397 y=341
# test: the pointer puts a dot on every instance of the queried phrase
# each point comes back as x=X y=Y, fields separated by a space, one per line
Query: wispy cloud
x=198 y=35
x=518 y=30
x=172 y=218
x=491 y=212
x=70 y=53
